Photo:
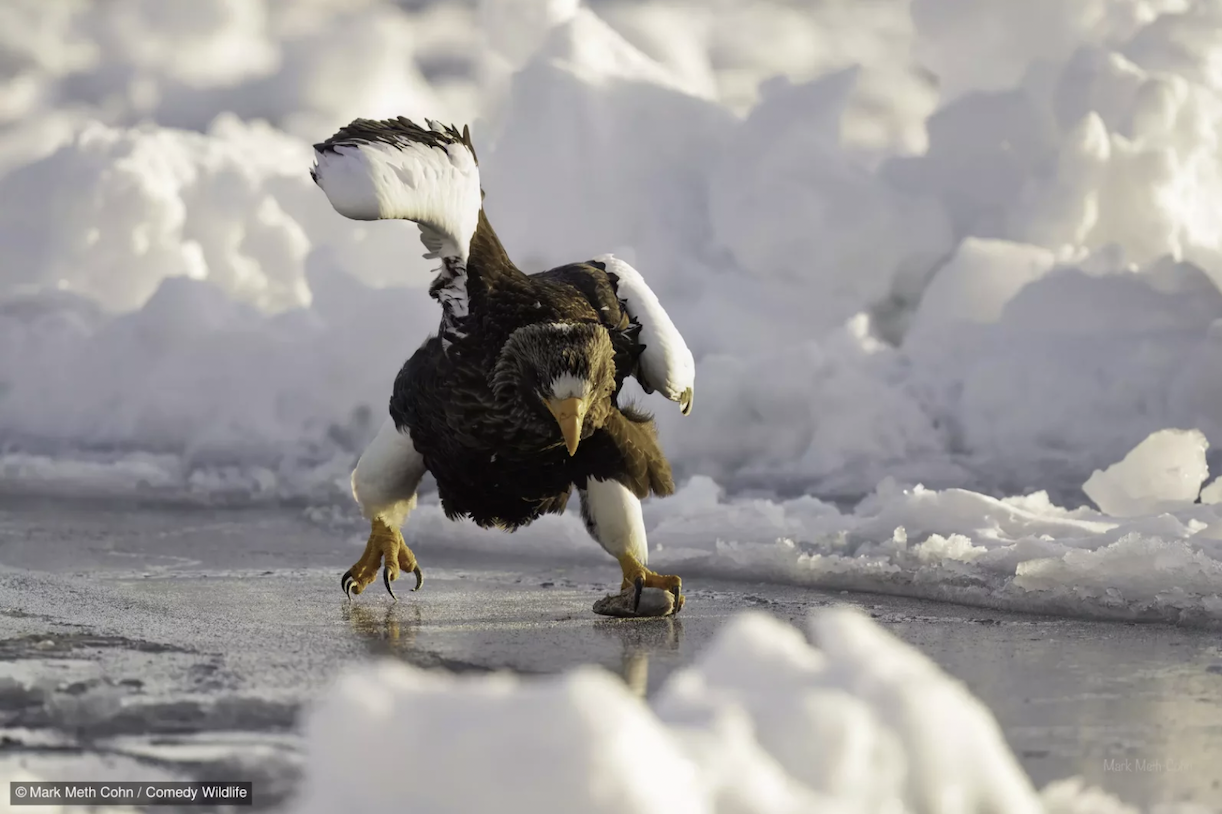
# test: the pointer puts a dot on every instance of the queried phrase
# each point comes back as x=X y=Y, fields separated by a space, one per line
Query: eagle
x=515 y=400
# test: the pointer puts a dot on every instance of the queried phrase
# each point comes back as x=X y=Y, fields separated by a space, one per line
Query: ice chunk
x=1162 y=473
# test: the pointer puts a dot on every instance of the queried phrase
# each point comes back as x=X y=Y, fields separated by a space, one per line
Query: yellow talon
x=386 y=548
x=640 y=577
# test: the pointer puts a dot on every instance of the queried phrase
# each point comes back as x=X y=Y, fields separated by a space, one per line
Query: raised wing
x=666 y=364
x=396 y=169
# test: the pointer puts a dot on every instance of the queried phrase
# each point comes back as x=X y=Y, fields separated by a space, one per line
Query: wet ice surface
x=182 y=642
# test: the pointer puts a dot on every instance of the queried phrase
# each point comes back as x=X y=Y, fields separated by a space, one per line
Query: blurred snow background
x=949 y=256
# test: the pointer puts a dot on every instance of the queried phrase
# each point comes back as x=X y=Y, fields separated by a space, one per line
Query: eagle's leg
x=384 y=484
x=385 y=548
x=612 y=515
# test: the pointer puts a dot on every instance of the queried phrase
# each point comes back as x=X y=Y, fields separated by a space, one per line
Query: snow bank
x=1153 y=554
x=302 y=66
x=1080 y=365
x=769 y=235
x=762 y=722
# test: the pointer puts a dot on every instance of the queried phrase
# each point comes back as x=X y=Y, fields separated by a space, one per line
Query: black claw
x=386 y=582
x=636 y=600
x=419 y=577
x=675 y=593
x=346 y=582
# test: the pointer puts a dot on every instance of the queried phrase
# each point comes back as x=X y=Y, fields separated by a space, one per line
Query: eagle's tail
x=397 y=169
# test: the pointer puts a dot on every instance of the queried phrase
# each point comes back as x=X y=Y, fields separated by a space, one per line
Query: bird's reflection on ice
x=384 y=629
x=641 y=639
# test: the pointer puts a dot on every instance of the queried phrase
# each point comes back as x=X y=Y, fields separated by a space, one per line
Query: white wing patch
x=666 y=363
x=392 y=171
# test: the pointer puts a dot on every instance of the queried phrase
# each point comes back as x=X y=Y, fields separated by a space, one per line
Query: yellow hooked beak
x=569 y=414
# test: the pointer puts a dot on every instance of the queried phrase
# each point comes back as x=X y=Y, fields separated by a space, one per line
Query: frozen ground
x=182 y=643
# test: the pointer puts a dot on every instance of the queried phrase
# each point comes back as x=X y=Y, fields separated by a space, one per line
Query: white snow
x=952 y=260
x=761 y=723
x=1162 y=473
x=1018 y=553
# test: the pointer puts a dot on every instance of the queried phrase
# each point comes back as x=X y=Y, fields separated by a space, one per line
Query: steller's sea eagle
x=515 y=400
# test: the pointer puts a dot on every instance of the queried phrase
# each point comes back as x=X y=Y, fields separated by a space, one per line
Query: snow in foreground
x=762 y=723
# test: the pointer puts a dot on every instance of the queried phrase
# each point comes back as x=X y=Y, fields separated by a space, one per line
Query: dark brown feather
x=497 y=458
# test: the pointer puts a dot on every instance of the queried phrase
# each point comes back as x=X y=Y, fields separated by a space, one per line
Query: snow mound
x=807 y=210
x=592 y=746
x=301 y=66
x=976 y=284
x=761 y=723
x=590 y=106
x=1019 y=553
x=115 y=211
x=1081 y=364
x=1162 y=473
x=173 y=204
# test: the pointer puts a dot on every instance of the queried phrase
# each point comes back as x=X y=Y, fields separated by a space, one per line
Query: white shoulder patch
x=667 y=364
x=396 y=169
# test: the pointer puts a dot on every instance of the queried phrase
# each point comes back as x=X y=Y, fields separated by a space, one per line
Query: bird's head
x=567 y=369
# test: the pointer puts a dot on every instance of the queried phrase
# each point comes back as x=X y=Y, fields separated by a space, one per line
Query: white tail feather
x=398 y=170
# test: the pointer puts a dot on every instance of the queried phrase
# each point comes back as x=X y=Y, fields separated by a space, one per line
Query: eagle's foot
x=386 y=548
x=642 y=593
